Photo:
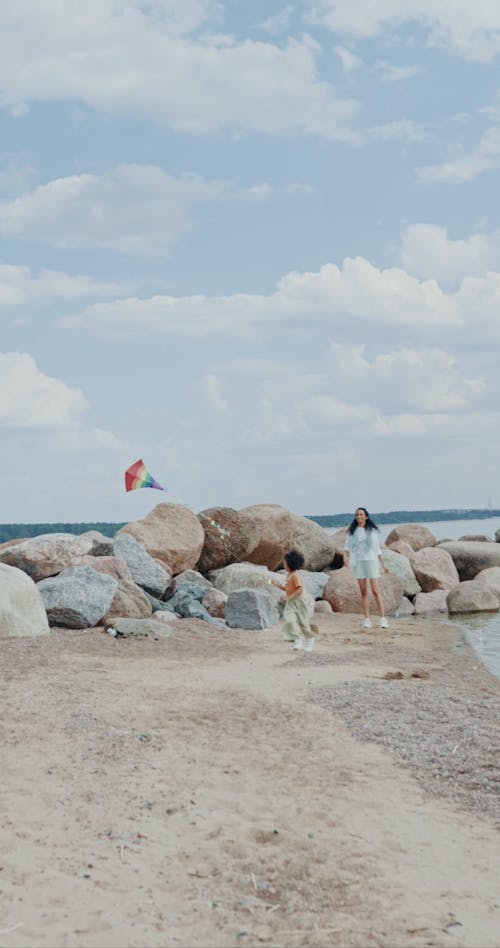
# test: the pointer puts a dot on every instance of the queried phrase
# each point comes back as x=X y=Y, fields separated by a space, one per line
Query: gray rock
x=472 y=556
x=472 y=596
x=78 y=598
x=313 y=583
x=401 y=567
x=22 y=612
x=146 y=571
x=187 y=603
x=126 y=627
x=431 y=602
x=250 y=609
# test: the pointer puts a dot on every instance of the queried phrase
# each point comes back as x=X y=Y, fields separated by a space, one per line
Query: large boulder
x=342 y=591
x=315 y=544
x=250 y=609
x=188 y=603
x=434 y=569
x=226 y=538
x=401 y=567
x=78 y=598
x=268 y=531
x=472 y=596
x=414 y=534
x=490 y=578
x=471 y=557
x=47 y=554
x=187 y=576
x=427 y=604
x=338 y=541
x=22 y=612
x=169 y=533
x=399 y=546
x=101 y=544
x=313 y=583
x=129 y=599
x=145 y=570
x=246 y=576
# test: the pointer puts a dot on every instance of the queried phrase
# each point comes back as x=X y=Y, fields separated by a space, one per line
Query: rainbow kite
x=137 y=475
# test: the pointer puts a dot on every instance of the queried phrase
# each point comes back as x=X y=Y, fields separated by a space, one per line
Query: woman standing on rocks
x=362 y=552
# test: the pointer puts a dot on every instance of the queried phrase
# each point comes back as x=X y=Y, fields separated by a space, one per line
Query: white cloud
x=19 y=285
x=30 y=399
x=211 y=392
x=279 y=22
x=392 y=73
x=150 y=61
x=470 y=30
x=350 y=61
x=357 y=295
x=484 y=157
x=427 y=251
x=131 y=208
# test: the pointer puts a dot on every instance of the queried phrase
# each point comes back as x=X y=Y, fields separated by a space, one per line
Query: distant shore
x=13 y=531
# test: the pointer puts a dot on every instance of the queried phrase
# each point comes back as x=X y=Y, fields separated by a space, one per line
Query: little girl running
x=297 y=628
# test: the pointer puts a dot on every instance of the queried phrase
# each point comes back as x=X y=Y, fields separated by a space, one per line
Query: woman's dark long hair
x=369 y=525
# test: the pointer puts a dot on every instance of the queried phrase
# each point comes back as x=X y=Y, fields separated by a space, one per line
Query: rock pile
x=218 y=566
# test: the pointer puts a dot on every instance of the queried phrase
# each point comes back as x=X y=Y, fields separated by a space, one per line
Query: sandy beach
x=216 y=789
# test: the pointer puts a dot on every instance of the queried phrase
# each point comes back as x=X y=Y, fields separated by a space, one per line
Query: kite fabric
x=137 y=475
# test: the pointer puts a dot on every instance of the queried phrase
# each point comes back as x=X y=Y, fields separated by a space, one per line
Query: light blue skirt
x=367 y=569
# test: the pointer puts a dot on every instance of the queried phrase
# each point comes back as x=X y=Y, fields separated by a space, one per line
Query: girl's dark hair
x=294 y=560
x=369 y=525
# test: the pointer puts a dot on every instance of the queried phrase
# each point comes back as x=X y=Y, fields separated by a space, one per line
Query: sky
x=256 y=245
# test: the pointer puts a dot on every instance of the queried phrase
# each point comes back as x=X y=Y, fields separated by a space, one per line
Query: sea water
x=482 y=629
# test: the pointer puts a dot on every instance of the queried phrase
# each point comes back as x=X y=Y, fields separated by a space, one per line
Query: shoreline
x=215 y=788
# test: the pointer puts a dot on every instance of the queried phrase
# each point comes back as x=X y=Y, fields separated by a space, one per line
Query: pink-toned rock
x=434 y=569
x=427 y=603
x=111 y=565
x=226 y=538
x=322 y=607
x=130 y=601
x=315 y=544
x=414 y=534
x=342 y=592
x=214 y=601
x=338 y=541
x=399 y=546
x=171 y=534
x=491 y=578
x=268 y=530
x=46 y=555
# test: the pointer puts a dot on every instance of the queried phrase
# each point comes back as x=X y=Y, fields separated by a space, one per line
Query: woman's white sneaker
x=383 y=622
x=367 y=624
x=298 y=645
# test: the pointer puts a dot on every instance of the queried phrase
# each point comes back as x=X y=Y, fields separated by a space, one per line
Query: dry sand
x=216 y=789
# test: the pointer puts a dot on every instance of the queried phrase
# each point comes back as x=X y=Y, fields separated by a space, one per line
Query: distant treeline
x=15 y=531
x=406 y=516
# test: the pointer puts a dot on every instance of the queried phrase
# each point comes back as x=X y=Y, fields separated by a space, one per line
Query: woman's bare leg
x=363 y=588
x=377 y=595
